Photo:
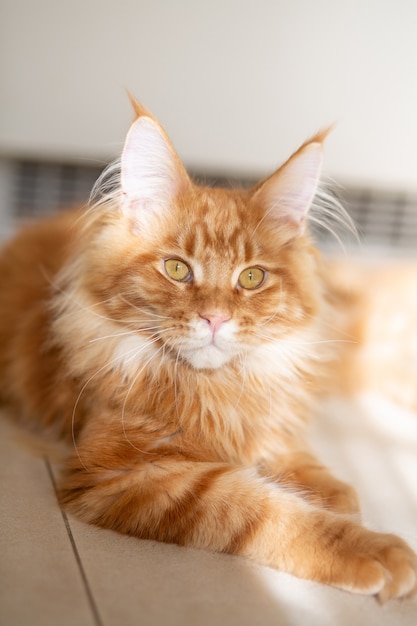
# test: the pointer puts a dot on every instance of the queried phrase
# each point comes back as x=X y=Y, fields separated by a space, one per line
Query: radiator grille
x=40 y=187
x=384 y=218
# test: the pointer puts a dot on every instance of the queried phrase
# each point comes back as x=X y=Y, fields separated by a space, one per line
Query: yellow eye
x=177 y=270
x=251 y=278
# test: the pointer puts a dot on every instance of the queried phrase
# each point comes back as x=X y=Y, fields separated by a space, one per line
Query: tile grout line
x=96 y=615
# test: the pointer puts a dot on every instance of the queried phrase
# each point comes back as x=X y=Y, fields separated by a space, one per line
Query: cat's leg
x=313 y=481
x=232 y=509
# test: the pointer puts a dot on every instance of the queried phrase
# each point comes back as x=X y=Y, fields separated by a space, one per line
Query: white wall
x=238 y=84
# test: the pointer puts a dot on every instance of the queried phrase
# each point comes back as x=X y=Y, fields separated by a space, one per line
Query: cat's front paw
x=377 y=564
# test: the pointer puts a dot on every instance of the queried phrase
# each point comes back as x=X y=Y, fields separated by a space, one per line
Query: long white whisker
x=112 y=336
x=294 y=342
x=335 y=328
x=312 y=343
x=136 y=308
x=134 y=352
x=243 y=377
x=83 y=388
x=291 y=342
x=135 y=331
x=90 y=308
x=135 y=379
x=80 y=305
x=269 y=319
x=175 y=383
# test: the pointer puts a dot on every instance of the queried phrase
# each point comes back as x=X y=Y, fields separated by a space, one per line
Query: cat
x=175 y=336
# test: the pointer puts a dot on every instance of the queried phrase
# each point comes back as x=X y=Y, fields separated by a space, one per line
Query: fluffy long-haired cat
x=174 y=335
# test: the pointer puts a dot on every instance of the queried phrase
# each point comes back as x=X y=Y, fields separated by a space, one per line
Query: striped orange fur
x=175 y=336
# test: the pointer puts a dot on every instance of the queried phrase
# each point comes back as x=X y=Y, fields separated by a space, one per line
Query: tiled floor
x=57 y=571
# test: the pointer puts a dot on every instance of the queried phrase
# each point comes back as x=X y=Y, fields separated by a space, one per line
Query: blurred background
x=237 y=84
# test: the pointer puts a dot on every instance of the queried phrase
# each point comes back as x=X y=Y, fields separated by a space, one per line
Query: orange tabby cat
x=175 y=334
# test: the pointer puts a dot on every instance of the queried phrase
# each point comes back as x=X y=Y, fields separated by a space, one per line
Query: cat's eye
x=177 y=270
x=251 y=278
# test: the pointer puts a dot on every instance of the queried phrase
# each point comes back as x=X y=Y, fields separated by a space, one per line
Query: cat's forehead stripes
x=217 y=229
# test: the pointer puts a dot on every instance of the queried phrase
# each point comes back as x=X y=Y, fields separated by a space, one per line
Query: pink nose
x=215 y=319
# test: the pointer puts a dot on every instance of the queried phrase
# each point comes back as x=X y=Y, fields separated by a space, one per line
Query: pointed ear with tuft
x=287 y=195
x=138 y=108
x=152 y=174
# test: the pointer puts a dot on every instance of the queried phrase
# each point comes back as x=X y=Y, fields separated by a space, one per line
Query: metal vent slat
x=40 y=188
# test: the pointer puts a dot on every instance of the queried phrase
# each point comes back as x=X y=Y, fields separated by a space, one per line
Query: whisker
x=134 y=352
x=175 y=382
x=135 y=379
x=269 y=319
x=77 y=401
x=112 y=336
x=70 y=296
x=89 y=308
x=150 y=342
x=242 y=355
x=291 y=342
x=323 y=341
x=335 y=328
x=135 y=331
x=136 y=308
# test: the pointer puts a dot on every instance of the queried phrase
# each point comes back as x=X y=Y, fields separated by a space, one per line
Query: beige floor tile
x=152 y=584
x=40 y=578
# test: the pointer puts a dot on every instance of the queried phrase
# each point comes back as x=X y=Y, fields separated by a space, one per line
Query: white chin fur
x=209 y=357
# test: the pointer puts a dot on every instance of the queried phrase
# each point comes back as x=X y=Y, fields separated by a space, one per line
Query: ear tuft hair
x=138 y=108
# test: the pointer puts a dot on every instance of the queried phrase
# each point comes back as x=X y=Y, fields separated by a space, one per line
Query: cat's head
x=209 y=275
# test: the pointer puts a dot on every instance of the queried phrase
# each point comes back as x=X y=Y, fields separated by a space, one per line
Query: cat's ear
x=138 y=108
x=287 y=195
x=152 y=174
